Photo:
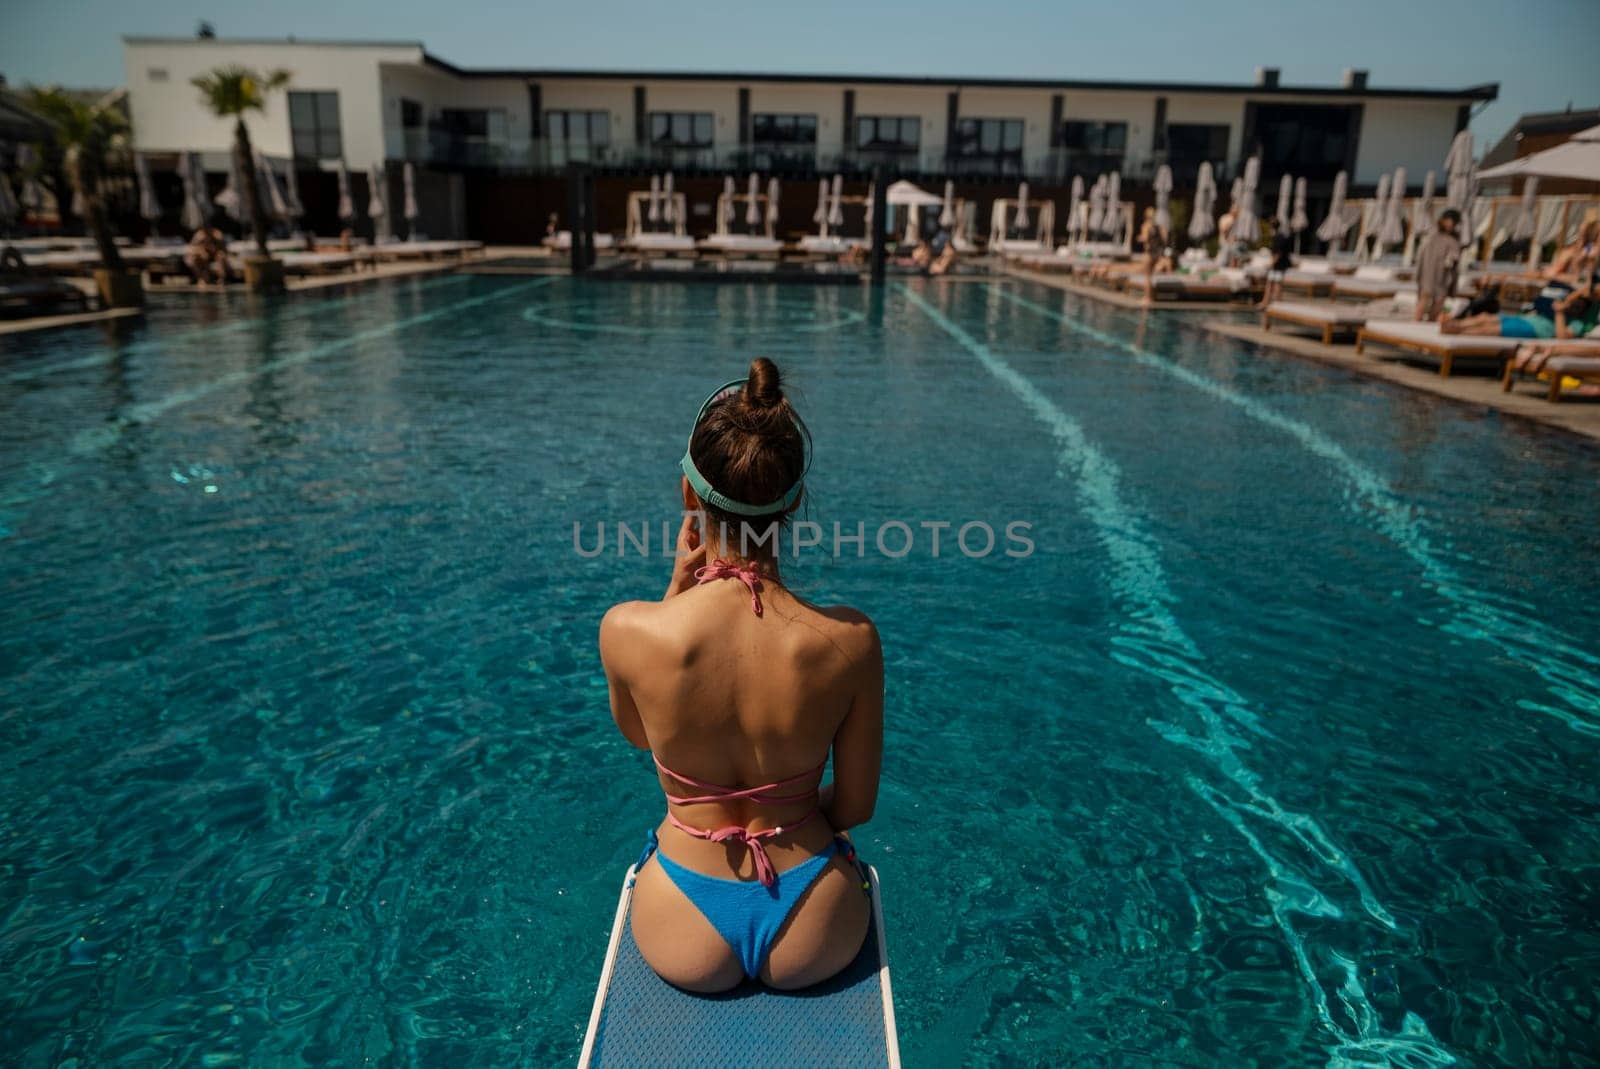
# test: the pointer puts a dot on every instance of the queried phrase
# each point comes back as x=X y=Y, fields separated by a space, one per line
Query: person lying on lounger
x=1530 y=359
x=1559 y=314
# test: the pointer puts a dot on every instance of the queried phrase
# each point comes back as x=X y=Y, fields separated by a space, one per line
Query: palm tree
x=90 y=139
x=230 y=92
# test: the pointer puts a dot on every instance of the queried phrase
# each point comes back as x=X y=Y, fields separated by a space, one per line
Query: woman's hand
x=688 y=557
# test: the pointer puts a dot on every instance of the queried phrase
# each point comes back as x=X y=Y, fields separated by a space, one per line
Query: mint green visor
x=716 y=498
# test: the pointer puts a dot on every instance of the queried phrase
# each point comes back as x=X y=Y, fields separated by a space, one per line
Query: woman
x=740 y=688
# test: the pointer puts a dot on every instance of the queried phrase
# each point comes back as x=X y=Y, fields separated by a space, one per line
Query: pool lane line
x=150 y=345
x=1577 y=682
x=89 y=442
x=1154 y=642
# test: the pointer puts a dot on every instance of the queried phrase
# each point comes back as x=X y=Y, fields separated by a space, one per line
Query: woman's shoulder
x=853 y=631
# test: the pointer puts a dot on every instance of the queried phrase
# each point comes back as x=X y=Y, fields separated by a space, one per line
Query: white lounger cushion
x=1430 y=334
x=1332 y=314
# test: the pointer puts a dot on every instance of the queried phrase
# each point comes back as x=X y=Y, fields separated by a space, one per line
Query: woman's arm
x=858 y=744
x=615 y=648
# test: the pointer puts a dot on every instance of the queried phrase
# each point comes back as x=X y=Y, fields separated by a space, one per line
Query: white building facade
x=384 y=102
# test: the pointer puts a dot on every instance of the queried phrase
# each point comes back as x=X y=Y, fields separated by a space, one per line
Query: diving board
x=640 y=1020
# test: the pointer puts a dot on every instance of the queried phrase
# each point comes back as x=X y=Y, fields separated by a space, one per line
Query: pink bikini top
x=760 y=795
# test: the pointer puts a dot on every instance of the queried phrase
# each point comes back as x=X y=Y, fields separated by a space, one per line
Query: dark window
x=410 y=113
x=988 y=146
x=1302 y=139
x=1191 y=144
x=783 y=129
x=888 y=133
x=314 y=125
x=680 y=129
x=583 y=136
x=1094 y=148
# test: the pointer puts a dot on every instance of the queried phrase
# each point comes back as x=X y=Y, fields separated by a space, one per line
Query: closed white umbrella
x=1298 y=219
x=1522 y=229
x=1163 y=188
x=1373 y=222
x=1285 y=195
x=231 y=198
x=291 y=192
x=1246 y=226
x=377 y=210
x=1021 y=220
x=1113 y=219
x=820 y=216
x=149 y=207
x=729 y=191
x=836 y=209
x=752 y=207
x=1422 y=212
x=193 y=216
x=1235 y=194
x=1201 y=222
x=772 y=204
x=347 y=203
x=947 y=214
x=1333 y=227
x=1458 y=173
x=669 y=205
x=653 y=213
x=1097 y=207
x=1074 y=208
x=271 y=196
x=872 y=193
x=9 y=208
x=1392 y=231
x=408 y=178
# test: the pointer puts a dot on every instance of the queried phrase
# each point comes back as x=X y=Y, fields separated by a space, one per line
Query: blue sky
x=1542 y=52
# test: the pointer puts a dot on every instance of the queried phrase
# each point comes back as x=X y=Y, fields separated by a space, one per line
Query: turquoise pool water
x=1279 y=749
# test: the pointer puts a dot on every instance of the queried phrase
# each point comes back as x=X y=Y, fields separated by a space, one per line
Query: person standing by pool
x=733 y=680
x=1154 y=239
x=1438 y=258
x=1282 y=246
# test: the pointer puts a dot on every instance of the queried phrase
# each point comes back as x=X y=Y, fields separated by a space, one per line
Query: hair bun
x=764 y=388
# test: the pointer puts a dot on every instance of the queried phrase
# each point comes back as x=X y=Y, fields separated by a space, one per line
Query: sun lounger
x=423 y=250
x=1583 y=368
x=1428 y=341
x=1366 y=288
x=1168 y=285
x=563 y=241
x=1313 y=277
x=38 y=296
x=741 y=245
x=1328 y=319
x=318 y=263
x=660 y=243
x=815 y=245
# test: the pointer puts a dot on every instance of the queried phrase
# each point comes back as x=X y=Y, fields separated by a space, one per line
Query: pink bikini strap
x=751 y=839
x=759 y=794
x=721 y=569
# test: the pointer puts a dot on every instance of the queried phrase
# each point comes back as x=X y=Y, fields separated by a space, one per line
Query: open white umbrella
x=193 y=216
x=1074 y=203
x=836 y=208
x=1298 y=219
x=653 y=212
x=408 y=177
x=1577 y=159
x=1021 y=220
x=1097 y=207
x=772 y=204
x=1246 y=226
x=149 y=207
x=1202 y=224
x=820 y=216
x=1163 y=190
x=669 y=205
x=947 y=213
x=1285 y=208
x=729 y=191
x=1527 y=220
x=347 y=203
x=1113 y=219
x=377 y=210
x=1392 y=230
x=1422 y=211
x=752 y=197
x=1332 y=228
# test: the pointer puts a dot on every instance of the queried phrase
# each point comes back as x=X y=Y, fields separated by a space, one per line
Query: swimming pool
x=1277 y=749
